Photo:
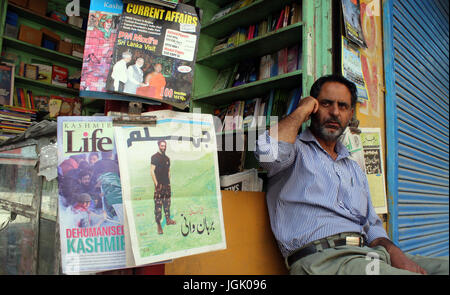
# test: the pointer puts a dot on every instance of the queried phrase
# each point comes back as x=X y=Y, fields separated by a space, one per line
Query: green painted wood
x=209 y=8
x=41 y=51
x=252 y=90
x=323 y=34
x=47 y=21
x=3 y=5
x=199 y=106
x=252 y=13
x=308 y=46
x=204 y=78
x=55 y=89
x=221 y=3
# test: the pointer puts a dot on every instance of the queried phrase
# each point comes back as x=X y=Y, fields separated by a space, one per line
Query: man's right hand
x=287 y=129
x=307 y=106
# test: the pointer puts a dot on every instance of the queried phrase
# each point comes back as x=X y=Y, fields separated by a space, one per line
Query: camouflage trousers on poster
x=162 y=200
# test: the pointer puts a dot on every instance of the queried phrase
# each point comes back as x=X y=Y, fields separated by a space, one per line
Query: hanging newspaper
x=154 y=53
x=373 y=158
x=352 y=142
x=90 y=197
x=352 y=69
x=171 y=188
x=352 y=22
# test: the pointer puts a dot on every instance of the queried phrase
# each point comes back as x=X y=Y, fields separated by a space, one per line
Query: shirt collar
x=341 y=150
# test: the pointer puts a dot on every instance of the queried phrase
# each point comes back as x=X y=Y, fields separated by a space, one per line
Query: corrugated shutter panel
x=421 y=66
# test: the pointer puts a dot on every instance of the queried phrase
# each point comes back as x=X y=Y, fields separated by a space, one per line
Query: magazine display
x=154 y=52
x=352 y=22
x=170 y=186
x=90 y=196
x=101 y=33
x=352 y=69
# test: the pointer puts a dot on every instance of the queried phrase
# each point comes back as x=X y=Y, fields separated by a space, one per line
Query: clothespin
x=133 y=117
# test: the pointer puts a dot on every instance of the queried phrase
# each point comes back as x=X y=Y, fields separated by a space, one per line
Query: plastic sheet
x=48 y=162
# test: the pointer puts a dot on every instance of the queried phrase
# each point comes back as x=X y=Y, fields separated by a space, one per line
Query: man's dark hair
x=107 y=155
x=161 y=141
x=317 y=86
x=83 y=173
x=93 y=154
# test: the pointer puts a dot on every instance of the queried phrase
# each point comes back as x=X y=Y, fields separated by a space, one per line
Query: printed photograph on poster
x=154 y=53
x=6 y=84
x=171 y=188
x=352 y=142
x=352 y=22
x=103 y=23
x=90 y=196
x=352 y=69
x=373 y=160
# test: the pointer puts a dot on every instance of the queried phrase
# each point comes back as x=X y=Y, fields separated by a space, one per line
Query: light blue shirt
x=311 y=196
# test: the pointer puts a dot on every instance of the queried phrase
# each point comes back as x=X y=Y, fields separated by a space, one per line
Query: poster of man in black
x=160 y=171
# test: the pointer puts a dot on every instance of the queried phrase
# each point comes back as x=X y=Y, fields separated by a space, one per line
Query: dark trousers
x=162 y=200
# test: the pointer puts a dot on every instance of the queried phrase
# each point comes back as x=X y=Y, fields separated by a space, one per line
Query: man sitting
x=318 y=199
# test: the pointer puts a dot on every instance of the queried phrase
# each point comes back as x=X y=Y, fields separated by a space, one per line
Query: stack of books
x=14 y=120
x=256 y=112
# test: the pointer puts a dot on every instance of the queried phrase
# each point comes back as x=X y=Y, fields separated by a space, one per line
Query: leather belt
x=325 y=243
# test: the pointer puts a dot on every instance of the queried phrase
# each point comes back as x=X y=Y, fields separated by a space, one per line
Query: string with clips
x=133 y=117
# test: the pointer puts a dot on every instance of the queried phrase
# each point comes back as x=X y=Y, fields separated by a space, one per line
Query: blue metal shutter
x=416 y=36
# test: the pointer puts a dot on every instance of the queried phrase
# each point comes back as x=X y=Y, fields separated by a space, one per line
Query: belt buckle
x=352 y=241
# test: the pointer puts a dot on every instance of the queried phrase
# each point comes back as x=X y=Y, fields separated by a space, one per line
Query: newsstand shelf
x=258 y=46
x=250 y=90
x=52 y=87
x=47 y=21
x=38 y=50
x=246 y=15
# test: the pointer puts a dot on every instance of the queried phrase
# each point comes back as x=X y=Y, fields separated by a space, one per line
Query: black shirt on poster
x=162 y=164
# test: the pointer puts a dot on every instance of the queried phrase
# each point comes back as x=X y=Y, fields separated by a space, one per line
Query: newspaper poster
x=90 y=196
x=373 y=159
x=352 y=22
x=352 y=142
x=154 y=53
x=170 y=185
x=352 y=69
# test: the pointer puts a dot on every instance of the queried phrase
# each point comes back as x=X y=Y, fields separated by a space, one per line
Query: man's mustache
x=333 y=121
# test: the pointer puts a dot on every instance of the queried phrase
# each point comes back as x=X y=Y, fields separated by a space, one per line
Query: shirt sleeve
x=374 y=226
x=272 y=155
